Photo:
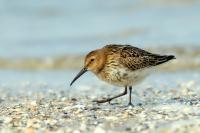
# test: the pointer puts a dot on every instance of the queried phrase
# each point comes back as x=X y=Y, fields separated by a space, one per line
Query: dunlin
x=121 y=65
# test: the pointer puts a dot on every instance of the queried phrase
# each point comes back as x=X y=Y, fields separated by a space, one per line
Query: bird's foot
x=104 y=100
x=130 y=104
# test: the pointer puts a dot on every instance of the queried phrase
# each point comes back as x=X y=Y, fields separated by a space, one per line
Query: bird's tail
x=163 y=58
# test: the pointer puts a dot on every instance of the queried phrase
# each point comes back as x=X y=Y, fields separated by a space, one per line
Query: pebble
x=111 y=118
x=7 y=120
x=76 y=131
x=55 y=113
x=29 y=130
x=99 y=130
x=33 y=103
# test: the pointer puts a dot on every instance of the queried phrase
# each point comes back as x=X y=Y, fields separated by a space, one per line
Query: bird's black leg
x=130 y=92
x=111 y=98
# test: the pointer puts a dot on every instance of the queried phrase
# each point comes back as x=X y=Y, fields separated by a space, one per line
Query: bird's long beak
x=78 y=75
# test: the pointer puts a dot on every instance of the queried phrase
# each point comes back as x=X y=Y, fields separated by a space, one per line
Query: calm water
x=45 y=28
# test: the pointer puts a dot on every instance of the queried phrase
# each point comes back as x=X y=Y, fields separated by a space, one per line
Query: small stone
x=76 y=131
x=111 y=118
x=96 y=123
x=7 y=120
x=33 y=103
x=99 y=130
x=63 y=99
x=66 y=115
x=79 y=106
x=74 y=99
x=29 y=130
x=164 y=130
x=83 y=127
x=128 y=129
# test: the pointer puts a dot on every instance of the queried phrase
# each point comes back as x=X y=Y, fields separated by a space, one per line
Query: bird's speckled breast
x=116 y=73
x=121 y=76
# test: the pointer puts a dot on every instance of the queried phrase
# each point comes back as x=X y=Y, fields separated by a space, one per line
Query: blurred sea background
x=42 y=43
x=42 y=48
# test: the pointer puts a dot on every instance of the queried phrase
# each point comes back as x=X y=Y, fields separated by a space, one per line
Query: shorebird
x=121 y=65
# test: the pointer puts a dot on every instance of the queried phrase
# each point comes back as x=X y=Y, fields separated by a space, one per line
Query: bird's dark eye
x=92 y=59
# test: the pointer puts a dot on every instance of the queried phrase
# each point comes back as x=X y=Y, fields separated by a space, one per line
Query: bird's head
x=94 y=61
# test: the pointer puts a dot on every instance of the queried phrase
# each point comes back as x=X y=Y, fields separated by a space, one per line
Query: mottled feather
x=121 y=65
x=135 y=58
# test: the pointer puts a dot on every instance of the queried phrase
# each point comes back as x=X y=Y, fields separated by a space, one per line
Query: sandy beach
x=170 y=106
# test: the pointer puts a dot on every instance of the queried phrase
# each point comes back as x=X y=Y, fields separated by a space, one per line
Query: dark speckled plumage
x=135 y=58
x=121 y=65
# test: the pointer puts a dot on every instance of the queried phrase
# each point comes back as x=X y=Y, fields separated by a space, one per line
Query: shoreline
x=186 y=59
x=171 y=109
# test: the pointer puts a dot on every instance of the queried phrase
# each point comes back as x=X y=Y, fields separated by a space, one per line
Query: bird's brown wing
x=135 y=58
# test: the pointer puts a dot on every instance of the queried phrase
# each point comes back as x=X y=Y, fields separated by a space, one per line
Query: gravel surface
x=172 y=110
